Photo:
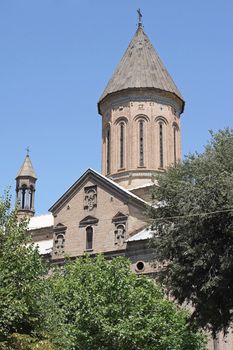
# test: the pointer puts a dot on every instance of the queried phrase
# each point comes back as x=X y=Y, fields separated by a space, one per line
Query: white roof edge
x=142 y=186
x=44 y=247
x=41 y=221
x=144 y=234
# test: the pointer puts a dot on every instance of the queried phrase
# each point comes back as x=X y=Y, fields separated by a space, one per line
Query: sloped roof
x=27 y=169
x=101 y=179
x=140 y=67
x=44 y=247
x=146 y=233
x=41 y=221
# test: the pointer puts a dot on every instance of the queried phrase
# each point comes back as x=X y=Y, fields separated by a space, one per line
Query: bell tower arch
x=25 y=189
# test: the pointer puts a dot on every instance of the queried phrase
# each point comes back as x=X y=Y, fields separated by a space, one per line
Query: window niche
x=175 y=133
x=59 y=240
x=121 y=135
x=31 y=197
x=90 y=197
x=141 y=123
x=122 y=145
x=23 y=197
x=120 y=233
x=88 y=222
x=161 y=125
x=89 y=238
x=161 y=146
x=141 y=142
x=108 y=150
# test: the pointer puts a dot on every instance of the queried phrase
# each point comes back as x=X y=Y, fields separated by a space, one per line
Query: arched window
x=122 y=144
x=174 y=142
x=141 y=142
x=23 y=197
x=89 y=238
x=30 y=197
x=161 y=140
x=121 y=128
x=142 y=121
x=108 y=139
x=161 y=132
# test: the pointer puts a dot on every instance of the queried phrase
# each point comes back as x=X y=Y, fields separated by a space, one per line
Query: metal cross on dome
x=139 y=18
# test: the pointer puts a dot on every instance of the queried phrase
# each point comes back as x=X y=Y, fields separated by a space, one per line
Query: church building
x=106 y=213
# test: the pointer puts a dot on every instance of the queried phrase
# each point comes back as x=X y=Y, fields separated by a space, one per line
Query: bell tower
x=140 y=109
x=25 y=188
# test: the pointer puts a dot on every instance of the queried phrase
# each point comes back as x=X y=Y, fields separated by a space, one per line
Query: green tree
x=106 y=306
x=23 y=297
x=17 y=341
x=194 y=225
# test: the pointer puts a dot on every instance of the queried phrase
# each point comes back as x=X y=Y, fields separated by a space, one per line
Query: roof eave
x=103 y=99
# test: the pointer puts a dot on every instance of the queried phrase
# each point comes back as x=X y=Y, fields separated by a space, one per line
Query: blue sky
x=56 y=57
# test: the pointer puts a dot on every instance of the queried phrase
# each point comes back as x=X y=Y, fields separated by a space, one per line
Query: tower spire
x=139 y=18
x=141 y=108
x=25 y=188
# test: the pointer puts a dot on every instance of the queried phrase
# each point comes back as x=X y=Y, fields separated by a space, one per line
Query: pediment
x=60 y=227
x=119 y=217
x=88 y=220
x=98 y=180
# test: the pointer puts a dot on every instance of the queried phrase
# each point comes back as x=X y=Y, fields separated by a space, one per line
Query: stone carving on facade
x=59 y=244
x=59 y=240
x=120 y=233
x=90 y=198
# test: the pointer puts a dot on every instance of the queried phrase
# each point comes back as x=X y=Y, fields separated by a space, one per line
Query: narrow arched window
x=174 y=143
x=122 y=146
x=141 y=143
x=89 y=238
x=161 y=150
x=108 y=150
x=23 y=197
x=31 y=198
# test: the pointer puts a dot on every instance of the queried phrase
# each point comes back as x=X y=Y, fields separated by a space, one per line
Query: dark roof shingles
x=140 y=67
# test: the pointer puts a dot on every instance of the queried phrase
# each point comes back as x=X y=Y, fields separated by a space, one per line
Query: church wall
x=107 y=206
x=42 y=234
x=139 y=252
x=129 y=109
x=221 y=342
x=144 y=192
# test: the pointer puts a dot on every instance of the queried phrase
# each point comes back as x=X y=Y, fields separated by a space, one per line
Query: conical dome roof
x=140 y=67
x=27 y=169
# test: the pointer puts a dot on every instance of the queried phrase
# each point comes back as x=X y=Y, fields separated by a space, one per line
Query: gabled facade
x=95 y=215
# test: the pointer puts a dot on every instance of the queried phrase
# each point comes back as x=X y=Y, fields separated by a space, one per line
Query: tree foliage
x=194 y=223
x=22 y=286
x=18 y=341
x=107 y=307
x=87 y=304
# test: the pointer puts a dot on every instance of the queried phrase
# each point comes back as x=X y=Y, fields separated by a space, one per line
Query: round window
x=140 y=266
